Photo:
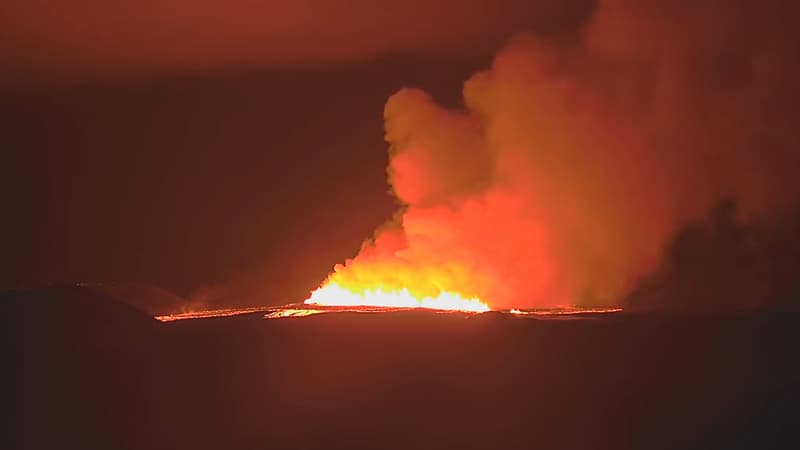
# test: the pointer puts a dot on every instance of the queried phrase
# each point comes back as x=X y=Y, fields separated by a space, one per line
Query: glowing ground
x=295 y=310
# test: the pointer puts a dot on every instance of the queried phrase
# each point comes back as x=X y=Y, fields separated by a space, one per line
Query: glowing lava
x=207 y=314
x=333 y=294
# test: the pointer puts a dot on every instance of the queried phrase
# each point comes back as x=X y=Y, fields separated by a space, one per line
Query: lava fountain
x=333 y=294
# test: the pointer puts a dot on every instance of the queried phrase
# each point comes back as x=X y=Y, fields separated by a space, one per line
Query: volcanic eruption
x=570 y=163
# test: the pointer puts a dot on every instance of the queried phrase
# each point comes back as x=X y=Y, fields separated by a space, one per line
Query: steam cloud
x=572 y=164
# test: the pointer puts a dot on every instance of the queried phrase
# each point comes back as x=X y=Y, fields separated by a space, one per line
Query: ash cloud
x=571 y=165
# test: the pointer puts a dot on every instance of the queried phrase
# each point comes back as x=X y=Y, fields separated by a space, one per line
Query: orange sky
x=50 y=39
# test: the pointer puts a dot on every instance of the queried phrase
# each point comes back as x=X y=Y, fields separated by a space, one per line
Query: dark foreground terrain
x=87 y=372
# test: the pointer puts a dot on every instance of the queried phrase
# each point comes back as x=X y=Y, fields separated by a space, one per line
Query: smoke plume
x=570 y=165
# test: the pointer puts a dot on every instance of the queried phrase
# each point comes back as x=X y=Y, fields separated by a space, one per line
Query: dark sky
x=185 y=144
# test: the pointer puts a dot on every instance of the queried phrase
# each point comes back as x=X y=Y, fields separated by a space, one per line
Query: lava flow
x=334 y=294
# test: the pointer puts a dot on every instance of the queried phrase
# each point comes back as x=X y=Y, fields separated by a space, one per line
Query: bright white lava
x=333 y=294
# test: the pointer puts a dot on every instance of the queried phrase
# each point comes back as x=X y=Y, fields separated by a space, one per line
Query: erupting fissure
x=333 y=294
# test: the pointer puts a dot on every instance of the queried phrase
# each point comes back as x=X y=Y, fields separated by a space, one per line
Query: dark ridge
x=72 y=307
x=83 y=368
x=151 y=300
x=88 y=372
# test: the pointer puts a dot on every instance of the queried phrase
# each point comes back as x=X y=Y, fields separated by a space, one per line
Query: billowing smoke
x=572 y=163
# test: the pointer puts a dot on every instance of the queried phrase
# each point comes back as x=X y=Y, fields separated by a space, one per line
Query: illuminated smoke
x=570 y=165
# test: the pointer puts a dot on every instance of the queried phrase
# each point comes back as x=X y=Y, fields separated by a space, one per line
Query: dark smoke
x=724 y=264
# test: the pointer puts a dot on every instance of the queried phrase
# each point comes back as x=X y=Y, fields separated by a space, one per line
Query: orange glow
x=291 y=312
x=444 y=304
x=563 y=311
x=334 y=294
x=207 y=314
